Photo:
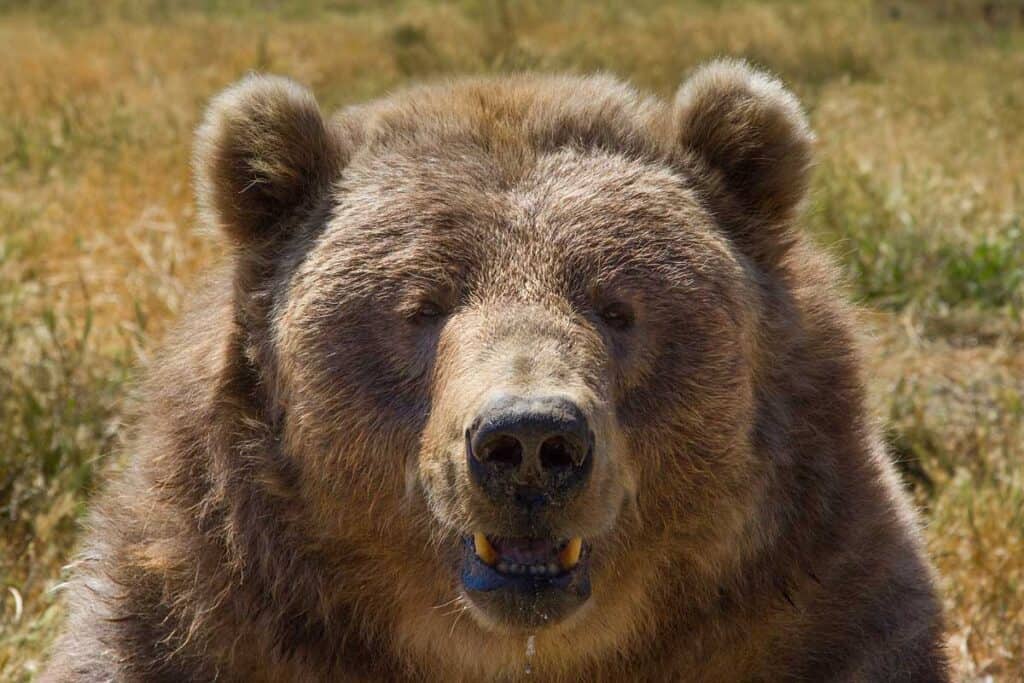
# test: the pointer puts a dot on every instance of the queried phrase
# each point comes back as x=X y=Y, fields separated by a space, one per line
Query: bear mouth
x=526 y=582
x=538 y=557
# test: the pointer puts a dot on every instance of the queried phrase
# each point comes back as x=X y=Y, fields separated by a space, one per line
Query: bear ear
x=262 y=152
x=751 y=134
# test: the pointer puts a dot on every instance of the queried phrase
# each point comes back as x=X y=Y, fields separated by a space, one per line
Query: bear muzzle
x=530 y=456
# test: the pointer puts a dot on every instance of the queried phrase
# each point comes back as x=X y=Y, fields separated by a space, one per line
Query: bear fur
x=295 y=495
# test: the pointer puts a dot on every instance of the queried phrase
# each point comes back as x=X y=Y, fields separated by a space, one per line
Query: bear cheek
x=441 y=478
x=440 y=457
x=339 y=376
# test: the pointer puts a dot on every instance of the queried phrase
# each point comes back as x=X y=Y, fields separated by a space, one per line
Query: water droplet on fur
x=531 y=650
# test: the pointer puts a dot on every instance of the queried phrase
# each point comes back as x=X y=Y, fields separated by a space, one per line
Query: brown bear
x=509 y=376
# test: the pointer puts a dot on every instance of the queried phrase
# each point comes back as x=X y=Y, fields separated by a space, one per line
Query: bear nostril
x=557 y=453
x=505 y=450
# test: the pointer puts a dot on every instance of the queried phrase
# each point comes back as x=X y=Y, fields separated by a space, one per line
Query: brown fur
x=295 y=498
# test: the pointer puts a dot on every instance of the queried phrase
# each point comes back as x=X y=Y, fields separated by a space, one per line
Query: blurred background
x=919 y=106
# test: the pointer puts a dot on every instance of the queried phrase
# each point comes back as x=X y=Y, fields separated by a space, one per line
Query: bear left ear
x=754 y=144
x=262 y=152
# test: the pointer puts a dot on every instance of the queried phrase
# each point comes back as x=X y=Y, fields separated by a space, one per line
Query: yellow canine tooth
x=570 y=555
x=484 y=550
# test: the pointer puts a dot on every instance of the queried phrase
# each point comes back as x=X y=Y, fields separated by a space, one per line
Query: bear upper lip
x=532 y=556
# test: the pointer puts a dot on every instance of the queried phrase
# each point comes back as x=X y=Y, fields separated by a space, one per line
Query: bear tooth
x=570 y=555
x=484 y=550
x=552 y=568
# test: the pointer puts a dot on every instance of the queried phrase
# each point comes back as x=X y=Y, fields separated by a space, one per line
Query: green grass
x=894 y=261
x=919 y=107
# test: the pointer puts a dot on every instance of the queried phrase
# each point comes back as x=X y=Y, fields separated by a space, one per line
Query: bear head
x=508 y=333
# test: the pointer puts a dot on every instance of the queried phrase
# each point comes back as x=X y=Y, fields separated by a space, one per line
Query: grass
x=920 y=111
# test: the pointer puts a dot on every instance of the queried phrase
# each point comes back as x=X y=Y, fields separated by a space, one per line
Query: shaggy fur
x=297 y=491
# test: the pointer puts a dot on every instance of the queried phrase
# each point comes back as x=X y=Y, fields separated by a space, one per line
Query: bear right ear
x=749 y=132
x=262 y=152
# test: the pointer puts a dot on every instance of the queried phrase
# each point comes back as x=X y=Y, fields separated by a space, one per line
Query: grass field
x=919 y=193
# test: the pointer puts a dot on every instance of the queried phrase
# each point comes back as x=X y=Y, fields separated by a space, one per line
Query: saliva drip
x=531 y=650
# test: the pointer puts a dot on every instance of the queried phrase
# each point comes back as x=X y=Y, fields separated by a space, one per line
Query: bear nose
x=530 y=451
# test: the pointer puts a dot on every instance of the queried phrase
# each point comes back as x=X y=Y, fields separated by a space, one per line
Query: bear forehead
x=513 y=119
x=574 y=201
x=580 y=223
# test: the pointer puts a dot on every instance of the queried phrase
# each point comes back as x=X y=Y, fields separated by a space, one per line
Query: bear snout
x=530 y=451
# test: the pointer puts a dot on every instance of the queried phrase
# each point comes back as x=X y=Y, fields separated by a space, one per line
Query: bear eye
x=427 y=312
x=617 y=316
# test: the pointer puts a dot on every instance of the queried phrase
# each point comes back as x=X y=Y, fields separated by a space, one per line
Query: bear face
x=525 y=315
x=606 y=290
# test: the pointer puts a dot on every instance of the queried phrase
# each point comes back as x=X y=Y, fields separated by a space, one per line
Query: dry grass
x=919 y=106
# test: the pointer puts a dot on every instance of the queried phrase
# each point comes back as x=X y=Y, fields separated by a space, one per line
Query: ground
x=919 y=107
